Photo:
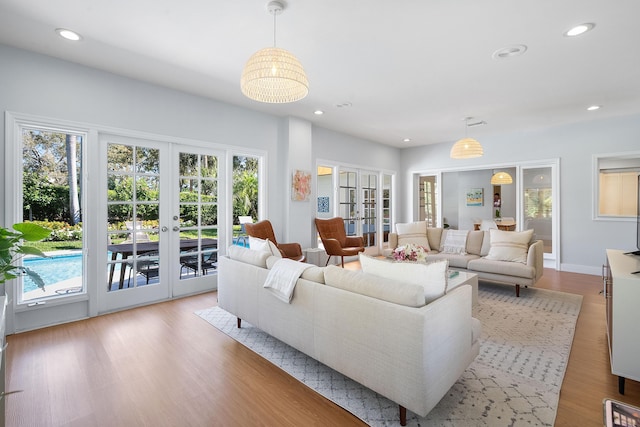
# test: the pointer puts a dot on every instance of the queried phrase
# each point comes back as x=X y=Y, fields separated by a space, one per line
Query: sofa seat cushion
x=515 y=269
x=373 y=286
x=455 y=260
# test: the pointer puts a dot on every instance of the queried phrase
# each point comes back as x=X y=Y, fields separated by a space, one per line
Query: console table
x=622 y=293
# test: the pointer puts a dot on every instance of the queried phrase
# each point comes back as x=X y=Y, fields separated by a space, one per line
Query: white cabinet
x=622 y=292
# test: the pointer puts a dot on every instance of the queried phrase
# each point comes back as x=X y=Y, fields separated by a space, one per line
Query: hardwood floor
x=162 y=365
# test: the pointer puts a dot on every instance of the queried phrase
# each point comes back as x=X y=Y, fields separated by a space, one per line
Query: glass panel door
x=348 y=203
x=538 y=206
x=199 y=171
x=369 y=206
x=137 y=250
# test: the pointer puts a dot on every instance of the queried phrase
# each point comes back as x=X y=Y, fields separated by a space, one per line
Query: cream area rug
x=515 y=380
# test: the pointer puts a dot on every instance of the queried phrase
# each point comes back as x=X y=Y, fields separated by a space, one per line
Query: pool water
x=52 y=269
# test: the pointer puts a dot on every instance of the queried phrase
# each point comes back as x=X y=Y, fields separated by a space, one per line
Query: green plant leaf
x=30 y=250
x=31 y=232
x=35 y=277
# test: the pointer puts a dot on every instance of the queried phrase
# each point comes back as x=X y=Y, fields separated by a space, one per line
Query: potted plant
x=12 y=248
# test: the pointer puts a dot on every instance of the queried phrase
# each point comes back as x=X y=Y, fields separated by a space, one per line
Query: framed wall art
x=475 y=197
x=300 y=186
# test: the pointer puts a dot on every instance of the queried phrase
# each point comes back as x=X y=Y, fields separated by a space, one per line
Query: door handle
x=176 y=228
x=164 y=229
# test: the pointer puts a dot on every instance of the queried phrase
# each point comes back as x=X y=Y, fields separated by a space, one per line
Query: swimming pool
x=53 y=269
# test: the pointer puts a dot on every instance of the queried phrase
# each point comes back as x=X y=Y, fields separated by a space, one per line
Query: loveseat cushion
x=455 y=260
x=393 y=291
x=509 y=245
x=431 y=276
x=515 y=269
x=414 y=233
x=248 y=256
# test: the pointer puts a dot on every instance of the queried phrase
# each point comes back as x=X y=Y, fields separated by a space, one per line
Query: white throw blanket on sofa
x=282 y=278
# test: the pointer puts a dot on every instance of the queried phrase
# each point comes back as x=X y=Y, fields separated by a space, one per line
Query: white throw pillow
x=413 y=233
x=454 y=242
x=509 y=245
x=265 y=245
x=431 y=276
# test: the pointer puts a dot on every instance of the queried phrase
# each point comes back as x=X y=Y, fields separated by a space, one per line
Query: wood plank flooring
x=162 y=365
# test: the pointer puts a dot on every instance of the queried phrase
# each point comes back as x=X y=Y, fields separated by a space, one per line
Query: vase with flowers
x=410 y=252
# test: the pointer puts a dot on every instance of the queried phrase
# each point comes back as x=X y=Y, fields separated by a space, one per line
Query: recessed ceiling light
x=318 y=112
x=344 y=105
x=406 y=140
x=594 y=107
x=509 y=51
x=68 y=34
x=579 y=29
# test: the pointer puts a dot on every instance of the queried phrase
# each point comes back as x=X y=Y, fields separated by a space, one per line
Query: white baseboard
x=582 y=269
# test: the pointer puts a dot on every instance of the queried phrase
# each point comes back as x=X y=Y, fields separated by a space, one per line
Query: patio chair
x=208 y=261
x=335 y=240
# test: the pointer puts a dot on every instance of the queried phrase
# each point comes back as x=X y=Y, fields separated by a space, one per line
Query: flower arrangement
x=410 y=252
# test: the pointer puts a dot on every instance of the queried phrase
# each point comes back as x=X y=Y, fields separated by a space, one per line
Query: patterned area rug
x=515 y=380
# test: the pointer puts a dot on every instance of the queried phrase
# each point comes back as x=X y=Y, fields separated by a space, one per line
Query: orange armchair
x=335 y=239
x=264 y=230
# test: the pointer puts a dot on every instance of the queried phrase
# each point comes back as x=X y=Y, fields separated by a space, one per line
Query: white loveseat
x=375 y=331
x=495 y=262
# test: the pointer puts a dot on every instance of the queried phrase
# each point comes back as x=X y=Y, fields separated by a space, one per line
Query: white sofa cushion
x=265 y=245
x=249 y=256
x=413 y=232
x=432 y=277
x=509 y=245
x=394 y=291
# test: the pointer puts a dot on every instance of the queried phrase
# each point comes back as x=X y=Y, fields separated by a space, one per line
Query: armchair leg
x=328 y=259
x=342 y=257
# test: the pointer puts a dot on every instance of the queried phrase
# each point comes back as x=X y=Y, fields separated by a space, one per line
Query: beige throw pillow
x=509 y=245
x=432 y=276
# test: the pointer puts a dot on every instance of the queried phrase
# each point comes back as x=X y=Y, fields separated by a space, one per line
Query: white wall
x=583 y=240
x=44 y=86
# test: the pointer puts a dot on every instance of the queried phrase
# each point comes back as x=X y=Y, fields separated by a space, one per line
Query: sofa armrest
x=535 y=258
x=354 y=241
x=393 y=240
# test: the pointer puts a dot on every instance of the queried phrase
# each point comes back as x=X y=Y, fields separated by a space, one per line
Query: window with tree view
x=52 y=197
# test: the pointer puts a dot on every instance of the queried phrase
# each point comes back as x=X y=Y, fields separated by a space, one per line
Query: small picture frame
x=300 y=186
x=475 y=197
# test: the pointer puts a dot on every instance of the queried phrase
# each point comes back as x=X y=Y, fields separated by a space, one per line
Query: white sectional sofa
x=514 y=257
x=376 y=331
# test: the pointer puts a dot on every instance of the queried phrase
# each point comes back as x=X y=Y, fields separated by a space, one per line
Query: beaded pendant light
x=274 y=75
x=466 y=148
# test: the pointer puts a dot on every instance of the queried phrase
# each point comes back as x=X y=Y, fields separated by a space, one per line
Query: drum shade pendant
x=466 y=148
x=274 y=75
x=499 y=178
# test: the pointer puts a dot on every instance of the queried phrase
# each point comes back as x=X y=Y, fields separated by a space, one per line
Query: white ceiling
x=408 y=68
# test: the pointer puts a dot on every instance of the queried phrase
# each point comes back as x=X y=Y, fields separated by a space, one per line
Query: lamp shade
x=501 y=178
x=466 y=148
x=274 y=76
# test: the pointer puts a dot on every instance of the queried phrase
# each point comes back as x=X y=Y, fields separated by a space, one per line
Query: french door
x=358 y=205
x=161 y=220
